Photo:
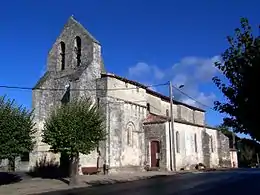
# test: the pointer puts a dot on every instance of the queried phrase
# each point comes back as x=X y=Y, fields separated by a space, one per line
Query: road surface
x=246 y=181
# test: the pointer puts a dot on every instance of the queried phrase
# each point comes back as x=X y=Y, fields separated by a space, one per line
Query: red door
x=155 y=154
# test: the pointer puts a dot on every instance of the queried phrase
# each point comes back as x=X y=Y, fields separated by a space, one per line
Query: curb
x=100 y=183
x=115 y=181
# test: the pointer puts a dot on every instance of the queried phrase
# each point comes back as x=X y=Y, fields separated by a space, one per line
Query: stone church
x=137 y=118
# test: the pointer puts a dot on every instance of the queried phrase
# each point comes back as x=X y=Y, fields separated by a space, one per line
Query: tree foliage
x=75 y=127
x=247 y=149
x=241 y=68
x=225 y=130
x=16 y=129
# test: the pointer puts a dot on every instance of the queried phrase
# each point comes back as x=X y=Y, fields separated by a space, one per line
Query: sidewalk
x=38 y=185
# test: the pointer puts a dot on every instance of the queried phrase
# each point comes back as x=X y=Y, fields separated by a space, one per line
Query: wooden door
x=155 y=153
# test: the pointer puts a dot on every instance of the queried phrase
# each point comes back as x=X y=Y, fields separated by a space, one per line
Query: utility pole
x=171 y=131
x=257 y=158
x=234 y=140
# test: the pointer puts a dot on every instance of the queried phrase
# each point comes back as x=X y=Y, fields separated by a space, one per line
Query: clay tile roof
x=153 y=118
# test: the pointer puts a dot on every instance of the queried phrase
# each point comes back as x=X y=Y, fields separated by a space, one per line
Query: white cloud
x=202 y=100
x=141 y=70
x=158 y=73
x=190 y=71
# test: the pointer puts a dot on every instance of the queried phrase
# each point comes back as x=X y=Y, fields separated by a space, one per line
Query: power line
x=192 y=98
x=94 y=89
x=75 y=89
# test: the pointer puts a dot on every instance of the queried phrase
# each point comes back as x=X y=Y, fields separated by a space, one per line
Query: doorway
x=155 y=150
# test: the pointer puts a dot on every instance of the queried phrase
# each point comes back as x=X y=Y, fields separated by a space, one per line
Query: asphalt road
x=213 y=183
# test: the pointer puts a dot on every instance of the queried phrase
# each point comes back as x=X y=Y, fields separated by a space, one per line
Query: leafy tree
x=247 y=152
x=75 y=127
x=225 y=130
x=247 y=148
x=241 y=68
x=16 y=130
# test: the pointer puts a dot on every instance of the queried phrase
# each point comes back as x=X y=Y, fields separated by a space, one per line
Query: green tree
x=247 y=148
x=240 y=67
x=16 y=130
x=225 y=130
x=75 y=127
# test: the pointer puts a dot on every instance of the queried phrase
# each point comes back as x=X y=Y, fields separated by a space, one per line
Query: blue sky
x=149 y=41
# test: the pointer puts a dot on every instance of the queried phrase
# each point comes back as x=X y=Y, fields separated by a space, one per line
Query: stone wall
x=195 y=146
x=159 y=106
x=223 y=150
x=124 y=106
x=126 y=91
x=81 y=77
x=126 y=137
x=180 y=112
x=71 y=29
x=233 y=158
x=156 y=132
x=19 y=165
x=188 y=156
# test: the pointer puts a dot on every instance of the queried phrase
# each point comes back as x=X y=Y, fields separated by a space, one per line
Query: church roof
x=153 y=118
x=150 y=91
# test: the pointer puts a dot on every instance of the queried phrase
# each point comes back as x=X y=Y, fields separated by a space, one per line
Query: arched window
x=195 y=143
x=129 y=133
x=167 y=112
x=178 y=142
x=148 y=107
x=77 y=50
x=211 y=144
x=62 y=55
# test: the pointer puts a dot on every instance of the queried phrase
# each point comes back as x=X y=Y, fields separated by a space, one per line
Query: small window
x=78 y=50
x=195 y=143
x=167 y=112
x=62 y=55
x=66 y=97
x=211 y=144
x=148 y=107
x=178 y=142
x=137 y=89
x=129 y=134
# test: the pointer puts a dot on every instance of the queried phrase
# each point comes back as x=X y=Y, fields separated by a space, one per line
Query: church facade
x=137 y=118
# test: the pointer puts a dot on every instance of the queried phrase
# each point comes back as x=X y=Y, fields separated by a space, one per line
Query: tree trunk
x=74 y=162
x=11 y=164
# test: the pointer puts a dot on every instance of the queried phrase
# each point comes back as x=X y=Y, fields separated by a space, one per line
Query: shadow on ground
x=93 y=186
x=46 y=169
x=8 y=178
x=115 y=181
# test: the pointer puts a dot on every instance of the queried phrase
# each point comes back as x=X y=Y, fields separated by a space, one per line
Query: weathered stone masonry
x=82 y=77
x=131 y=127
